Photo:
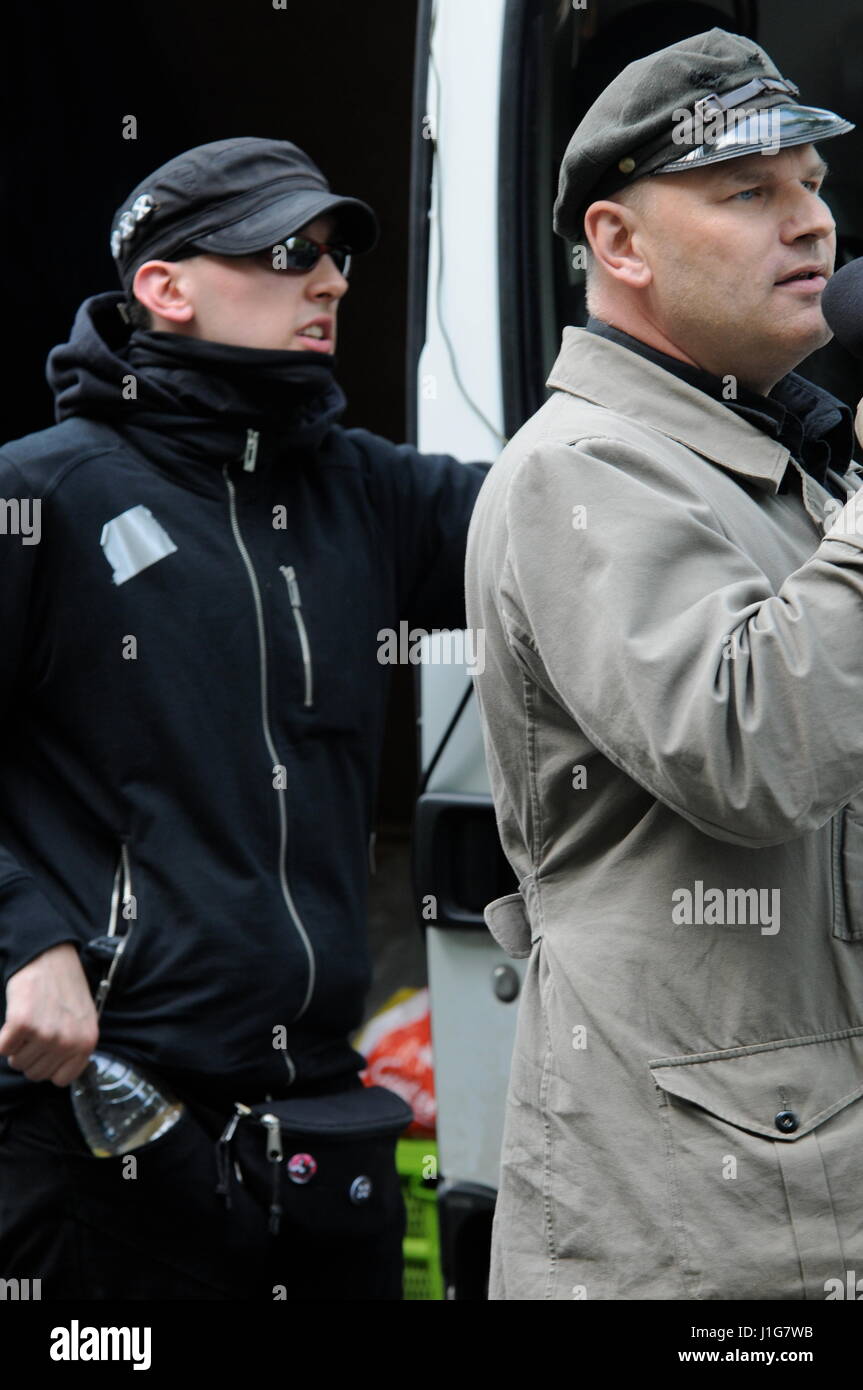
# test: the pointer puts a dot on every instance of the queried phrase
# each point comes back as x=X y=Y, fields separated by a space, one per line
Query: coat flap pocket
x=509 y=924
x=780 y=1090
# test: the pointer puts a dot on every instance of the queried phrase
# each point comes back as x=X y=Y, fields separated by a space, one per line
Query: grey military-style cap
x=711 y=97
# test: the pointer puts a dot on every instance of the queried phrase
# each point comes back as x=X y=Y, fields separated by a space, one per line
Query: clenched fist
x=51 y=1026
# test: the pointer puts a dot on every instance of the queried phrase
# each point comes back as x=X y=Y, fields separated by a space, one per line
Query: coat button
x=787 y=1121
x=505 y=983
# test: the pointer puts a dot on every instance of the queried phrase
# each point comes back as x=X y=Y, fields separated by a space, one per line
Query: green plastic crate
x=422 y=1278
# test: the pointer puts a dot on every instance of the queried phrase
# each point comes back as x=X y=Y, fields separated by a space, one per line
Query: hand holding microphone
x=842 y=307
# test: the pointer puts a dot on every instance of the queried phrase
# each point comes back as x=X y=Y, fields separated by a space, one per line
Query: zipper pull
x=274 y=1138
x=101 y=994
x=293 y=587
x=294 y=595
x=275 y=1155
x=223 y=1151
x=250 y=457
x=239 y=1111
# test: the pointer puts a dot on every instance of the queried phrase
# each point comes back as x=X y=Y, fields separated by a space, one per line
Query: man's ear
x=157 y=286
x=612 y=230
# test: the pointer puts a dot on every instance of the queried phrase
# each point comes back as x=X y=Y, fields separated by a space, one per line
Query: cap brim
x=764 y=131
x=356 y=224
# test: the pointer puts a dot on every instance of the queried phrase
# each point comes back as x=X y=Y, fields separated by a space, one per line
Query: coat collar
x=602 y=371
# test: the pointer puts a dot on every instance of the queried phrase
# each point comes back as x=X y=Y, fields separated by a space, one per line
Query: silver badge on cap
x=128 y=222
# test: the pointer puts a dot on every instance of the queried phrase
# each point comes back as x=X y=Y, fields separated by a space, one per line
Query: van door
x=500 y=87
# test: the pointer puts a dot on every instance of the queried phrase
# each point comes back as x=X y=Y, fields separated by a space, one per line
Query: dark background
x=332 y=76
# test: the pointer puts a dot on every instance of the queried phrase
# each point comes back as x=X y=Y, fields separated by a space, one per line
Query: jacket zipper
x=271 y=748
x=122 y=878
x=250 y=457
x=294 y=592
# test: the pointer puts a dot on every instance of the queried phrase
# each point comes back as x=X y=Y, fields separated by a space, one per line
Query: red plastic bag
x=397 y=1046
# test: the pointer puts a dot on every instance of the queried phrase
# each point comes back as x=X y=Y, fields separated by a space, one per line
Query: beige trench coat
x=672 y=704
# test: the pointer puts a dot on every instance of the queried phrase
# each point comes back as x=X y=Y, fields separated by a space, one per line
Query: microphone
x=842 y=306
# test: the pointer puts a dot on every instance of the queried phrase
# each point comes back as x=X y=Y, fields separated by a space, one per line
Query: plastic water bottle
x=118 y=1108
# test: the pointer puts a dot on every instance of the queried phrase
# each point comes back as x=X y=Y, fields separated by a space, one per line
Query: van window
x=557 y=57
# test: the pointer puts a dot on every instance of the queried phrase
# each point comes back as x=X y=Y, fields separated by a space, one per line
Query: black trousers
x=155 y=1227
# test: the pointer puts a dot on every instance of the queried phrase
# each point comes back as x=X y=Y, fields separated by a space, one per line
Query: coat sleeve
x=738 y=707
x=29 y=924
x=425 y=501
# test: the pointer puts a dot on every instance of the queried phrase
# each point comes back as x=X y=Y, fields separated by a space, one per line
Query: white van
x=500 y=86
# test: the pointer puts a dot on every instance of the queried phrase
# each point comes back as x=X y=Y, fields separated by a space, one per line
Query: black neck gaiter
x=189 y=396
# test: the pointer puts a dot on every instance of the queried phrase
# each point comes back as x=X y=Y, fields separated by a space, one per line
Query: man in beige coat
x=667 y=564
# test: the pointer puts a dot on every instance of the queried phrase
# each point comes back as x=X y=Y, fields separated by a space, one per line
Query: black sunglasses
x=300 y=254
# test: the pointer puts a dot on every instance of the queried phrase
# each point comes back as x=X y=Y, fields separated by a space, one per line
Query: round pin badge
x=361 y=1190
x=301 y=1168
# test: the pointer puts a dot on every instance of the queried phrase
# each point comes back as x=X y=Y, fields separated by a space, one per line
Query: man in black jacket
x=193 y=712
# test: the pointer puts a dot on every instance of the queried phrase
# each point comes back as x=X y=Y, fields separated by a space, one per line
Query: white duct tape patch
x=134 y=540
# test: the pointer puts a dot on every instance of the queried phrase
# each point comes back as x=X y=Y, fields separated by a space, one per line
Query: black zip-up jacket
x=192 y=701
